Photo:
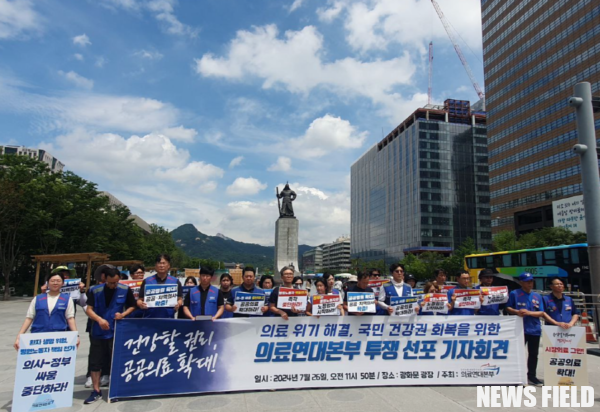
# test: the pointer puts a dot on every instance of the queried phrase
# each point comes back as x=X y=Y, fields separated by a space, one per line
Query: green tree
x=414 y=265
x=454 y=263
x=504 y=240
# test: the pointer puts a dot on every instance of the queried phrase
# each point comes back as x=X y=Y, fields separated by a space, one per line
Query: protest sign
x=361 y=302
x=404 y=306
x=166 y=357
x=249 y=303
x=467 y=299
x=160 y=296
x=326 y=305
x=377 y=284
x=45 y=371
x=292 y=298
x=418 y=292
x=494 y=295
x=435 y=302
x=565 y=360
x=134 y=285
x=71 y=286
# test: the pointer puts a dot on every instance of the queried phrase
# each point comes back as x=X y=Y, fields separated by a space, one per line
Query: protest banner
x=160 y=296
x=167 y=357
x=326 y=305
x=45 y=371
x=418 y=292
x=71 y=286
x=435 y=302
x=361 y=302
x=134 y=285
x=467 y=299
x=404 y=306
x=377 y=284
x=494 y=295
x=249 y=303
x=292 y=298
x=565 y=360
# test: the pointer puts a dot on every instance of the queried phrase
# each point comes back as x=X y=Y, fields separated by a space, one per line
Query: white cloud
x=82 y=40
x=236 y=161
x=245 y=186
x=100 y=62
x=194 y=172
x=299 y=67
x=327 y=134
x=148 y=54
x=376 y=24
x=296 y=5
x=78 y=56
x=77 y=79
x=17 y=17
x=283 y=164
x=180 y=133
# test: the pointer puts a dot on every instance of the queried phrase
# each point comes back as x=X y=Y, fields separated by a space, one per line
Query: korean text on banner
x=292 y=298
x=45 y=371
x=417 y=292
x=467 y=299
x=565 y=359
x=134 y=285
x=326 y=305
x=404 y=306
x=435 y=302
x=249 y=303
x=71 y=286
x=494 y=295
x=160 y=296
x=361 y=302
x=167 y=357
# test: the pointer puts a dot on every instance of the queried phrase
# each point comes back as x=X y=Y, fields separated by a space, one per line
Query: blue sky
x=194 y=111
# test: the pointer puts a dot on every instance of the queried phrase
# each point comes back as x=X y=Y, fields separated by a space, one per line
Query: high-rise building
x=424 y=187
x=312 y=260
x=53 y=163
x=534 y=54
x=336 y=255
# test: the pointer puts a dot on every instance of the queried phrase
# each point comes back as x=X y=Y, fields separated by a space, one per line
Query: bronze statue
x=288 y=196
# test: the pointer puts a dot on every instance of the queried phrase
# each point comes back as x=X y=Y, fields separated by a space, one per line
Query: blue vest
x=518 y=299
x=390 y=290
x=459 y=311
x=210 y=306
x=488 y=310
x=117 y=304
x=564 y=315
x=50 y=322
x=168 y=313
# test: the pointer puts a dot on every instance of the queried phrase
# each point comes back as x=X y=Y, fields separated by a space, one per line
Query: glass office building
x=423 y=187
x=534 y=54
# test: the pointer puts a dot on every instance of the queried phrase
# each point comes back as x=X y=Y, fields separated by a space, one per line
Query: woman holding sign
x=324 y=299
x=50 y=312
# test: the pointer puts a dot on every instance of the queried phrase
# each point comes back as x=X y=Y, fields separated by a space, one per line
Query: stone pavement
x=364 y=399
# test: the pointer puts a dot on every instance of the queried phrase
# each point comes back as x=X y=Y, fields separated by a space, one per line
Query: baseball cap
x=525 y=276
x=486 y=272
x=409 y=277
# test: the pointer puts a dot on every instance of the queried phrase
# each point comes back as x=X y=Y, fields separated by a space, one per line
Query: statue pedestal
x=286 y=244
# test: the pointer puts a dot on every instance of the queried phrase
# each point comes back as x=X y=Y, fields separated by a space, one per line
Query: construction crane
x=430 y=71
x=458 y=51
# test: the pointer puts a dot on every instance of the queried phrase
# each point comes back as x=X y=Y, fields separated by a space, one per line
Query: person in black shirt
x=287 y=277
x=226 y=282
x=362 y=285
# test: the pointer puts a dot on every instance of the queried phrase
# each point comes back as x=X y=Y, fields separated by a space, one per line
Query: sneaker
x=104 y=380
x=88 y=382
x=535 y=382
x=93 y=397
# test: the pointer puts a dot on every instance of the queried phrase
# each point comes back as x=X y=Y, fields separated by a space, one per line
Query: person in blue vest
x=530 y=306
x=162 y=277
x=560 y=308
x=464 y=281
x=107 y=303
x=226 y=282
x=486 y=279
x=397 y=287
x=204 y=299
x=248 y=286
x=50 y=312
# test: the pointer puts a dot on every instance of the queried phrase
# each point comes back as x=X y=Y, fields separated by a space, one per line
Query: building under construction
x=424 y=187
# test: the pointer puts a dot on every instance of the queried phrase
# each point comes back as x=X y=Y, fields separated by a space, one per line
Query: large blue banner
x=166 y=357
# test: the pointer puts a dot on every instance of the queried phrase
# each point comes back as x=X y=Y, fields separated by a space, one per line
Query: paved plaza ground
x=379 y=399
